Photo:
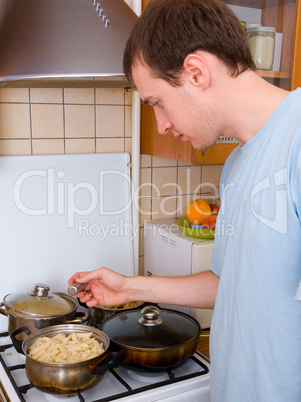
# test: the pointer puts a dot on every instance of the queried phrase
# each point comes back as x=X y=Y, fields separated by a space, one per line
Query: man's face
x=181 y=110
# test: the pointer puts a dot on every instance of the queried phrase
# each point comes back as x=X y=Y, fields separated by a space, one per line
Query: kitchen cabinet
x=285 y=16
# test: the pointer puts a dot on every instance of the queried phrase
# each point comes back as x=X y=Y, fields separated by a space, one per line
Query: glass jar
x=262 y=44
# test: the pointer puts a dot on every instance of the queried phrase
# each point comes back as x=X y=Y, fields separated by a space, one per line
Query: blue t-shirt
x=255 y=344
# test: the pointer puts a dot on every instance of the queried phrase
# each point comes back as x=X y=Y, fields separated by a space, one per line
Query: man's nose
x=163 y=123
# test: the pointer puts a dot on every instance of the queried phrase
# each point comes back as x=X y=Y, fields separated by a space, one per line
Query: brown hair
x=168 y=30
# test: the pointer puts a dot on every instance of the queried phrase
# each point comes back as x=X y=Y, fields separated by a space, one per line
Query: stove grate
x=172 y=379
x=22 y=390
x=8 y=372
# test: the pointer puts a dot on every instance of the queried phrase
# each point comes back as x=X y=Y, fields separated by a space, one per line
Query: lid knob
x=41 y=290
x=150 y=316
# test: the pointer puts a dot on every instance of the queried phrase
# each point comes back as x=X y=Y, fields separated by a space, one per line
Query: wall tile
x=15 y=147
x=110 y=121
x=145 y=182
x=211 y=176
x=189 y=180
x=14 y=120
x=128 y=121
x=145 y=205
x=145 y=161
x=79 y=95
x=14 y=95
x=47 y=121
x=108 y=96
x=79 y=121
x=47 y=147
x=109 y=145
x=80 y=146
x=46 y=95
x=164 y=179
x=162 y=162
x=128 y=145
x=164 y=207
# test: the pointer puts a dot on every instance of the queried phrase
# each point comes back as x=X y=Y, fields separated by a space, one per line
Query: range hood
x=52 y=42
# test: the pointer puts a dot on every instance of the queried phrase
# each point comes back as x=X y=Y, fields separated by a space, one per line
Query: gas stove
x=189 y=381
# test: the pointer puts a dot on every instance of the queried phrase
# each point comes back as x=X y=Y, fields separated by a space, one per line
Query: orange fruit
x=197 y=211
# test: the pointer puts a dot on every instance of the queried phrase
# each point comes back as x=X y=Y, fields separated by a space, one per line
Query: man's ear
x=197 y=69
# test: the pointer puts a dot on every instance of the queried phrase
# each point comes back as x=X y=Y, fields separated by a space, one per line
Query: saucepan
x=68 y=378
x=40 y=308
x=99 y=314
x=153 y=338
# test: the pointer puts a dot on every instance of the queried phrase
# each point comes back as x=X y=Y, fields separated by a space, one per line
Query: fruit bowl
x=185 y=226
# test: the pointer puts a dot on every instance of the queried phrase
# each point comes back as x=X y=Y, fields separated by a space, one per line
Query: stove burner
x=148 y=376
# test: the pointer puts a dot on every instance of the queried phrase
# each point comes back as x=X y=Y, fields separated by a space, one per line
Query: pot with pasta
x=67 y=359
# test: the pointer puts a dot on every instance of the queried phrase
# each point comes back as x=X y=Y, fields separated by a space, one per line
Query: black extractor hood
x=55 y=40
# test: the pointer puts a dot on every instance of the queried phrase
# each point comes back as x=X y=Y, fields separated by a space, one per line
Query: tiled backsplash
x=87 y=120
x=58 y=121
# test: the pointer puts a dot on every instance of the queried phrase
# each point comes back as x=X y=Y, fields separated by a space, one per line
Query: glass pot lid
x=151 y=328
x=38 y=302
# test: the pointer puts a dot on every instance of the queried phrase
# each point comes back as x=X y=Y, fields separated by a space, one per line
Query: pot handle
x=17 y=343
x=2 y=311
x=110 y=361
x=81 y=318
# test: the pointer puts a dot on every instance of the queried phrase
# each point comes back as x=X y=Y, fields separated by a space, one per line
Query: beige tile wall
x=39 y=121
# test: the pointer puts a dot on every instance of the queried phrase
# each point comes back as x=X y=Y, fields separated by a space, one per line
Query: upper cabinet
x=285 y=16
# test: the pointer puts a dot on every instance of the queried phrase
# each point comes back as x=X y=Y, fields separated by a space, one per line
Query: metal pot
x=39 y=309
x=68 y=378
x=153 y=338
x=99 y=314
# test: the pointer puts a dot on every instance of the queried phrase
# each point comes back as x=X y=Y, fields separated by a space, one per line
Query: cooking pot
x=99 y=314
x=68 y=378
x=39 y=309
x=153 y=338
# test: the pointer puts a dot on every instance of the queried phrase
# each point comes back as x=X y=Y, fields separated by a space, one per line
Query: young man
x=190 y=60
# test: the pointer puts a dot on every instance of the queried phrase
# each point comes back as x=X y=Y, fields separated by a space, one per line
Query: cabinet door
x=285 y=16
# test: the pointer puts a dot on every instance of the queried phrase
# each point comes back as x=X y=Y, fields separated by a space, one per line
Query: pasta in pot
x=60 y=348
x=120 y=306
